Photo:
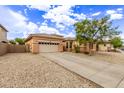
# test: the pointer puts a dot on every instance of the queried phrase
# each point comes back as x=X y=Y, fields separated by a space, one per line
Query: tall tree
x=95 y=30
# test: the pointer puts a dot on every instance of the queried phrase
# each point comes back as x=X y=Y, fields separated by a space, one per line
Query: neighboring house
x=3 y=34
x=106 y=46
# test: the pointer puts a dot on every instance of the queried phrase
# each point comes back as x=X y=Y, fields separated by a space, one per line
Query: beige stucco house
x=45 y=43
x=3 y=34
x=56 y=43
x=49 y=43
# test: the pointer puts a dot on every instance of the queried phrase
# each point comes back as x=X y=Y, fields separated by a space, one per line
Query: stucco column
x=60 y=47
x=94 y=47
x=68 y=46
x=73 y=44
x=35 y=47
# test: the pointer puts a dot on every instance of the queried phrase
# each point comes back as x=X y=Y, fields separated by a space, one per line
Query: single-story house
x=56 y=43
x=3 y=34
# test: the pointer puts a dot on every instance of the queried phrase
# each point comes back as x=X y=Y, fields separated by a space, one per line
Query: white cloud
x=48 y=30
x=17 y=16
x=44 y=23
x=62 y=10
x=96 y=14
x=51 y=30
x=63 y=16
x=122 y=35
x=89 y=18
x=19 y=25
x=60 y=26
x=115 y=14
x=71 y=34
x=60 y=14
x=16 y=23
x=32 y=27
x=120 y=9
x=25 y=11
x=110 y=11
x=40 y=7
x=79 y=16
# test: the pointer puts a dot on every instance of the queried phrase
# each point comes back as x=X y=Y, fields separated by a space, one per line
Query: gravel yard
x=111 y=57
x=28 y=70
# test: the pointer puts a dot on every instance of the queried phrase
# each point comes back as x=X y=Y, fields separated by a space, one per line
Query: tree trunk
x=90 y=48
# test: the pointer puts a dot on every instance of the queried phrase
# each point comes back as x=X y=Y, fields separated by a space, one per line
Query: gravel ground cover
x=111 y=57
x=25 y=70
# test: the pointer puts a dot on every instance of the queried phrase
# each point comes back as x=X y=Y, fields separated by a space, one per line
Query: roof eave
x=3 y=28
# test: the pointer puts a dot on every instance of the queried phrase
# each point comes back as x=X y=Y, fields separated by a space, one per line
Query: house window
x=3 y=41
x=39 y=43
x=47 y=43
x=104 y=44
x=71 y=44
x=66 y=44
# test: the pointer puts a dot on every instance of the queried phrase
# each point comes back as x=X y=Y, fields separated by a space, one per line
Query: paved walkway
x=103 y=73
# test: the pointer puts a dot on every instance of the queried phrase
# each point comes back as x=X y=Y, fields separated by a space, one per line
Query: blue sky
x=23 y=20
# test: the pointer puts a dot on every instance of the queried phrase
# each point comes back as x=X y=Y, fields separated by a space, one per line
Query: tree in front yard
x=12 y=42
x=20 y=41
x=95 y=30
x=117 y=42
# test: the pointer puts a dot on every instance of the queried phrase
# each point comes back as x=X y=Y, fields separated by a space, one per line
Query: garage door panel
x=48 y=48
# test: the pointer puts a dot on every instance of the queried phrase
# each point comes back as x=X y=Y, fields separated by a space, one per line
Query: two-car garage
x=45 y=43
x=48 y=47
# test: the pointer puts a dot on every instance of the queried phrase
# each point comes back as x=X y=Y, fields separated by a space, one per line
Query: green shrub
x=77 y=49
x=12 y=42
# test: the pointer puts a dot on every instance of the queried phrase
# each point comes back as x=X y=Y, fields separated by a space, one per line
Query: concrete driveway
x=103 y=73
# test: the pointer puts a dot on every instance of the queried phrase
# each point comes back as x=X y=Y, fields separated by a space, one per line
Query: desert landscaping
x=110 y=57
x=29 y=70
x=66 y=51
x=22 y=70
